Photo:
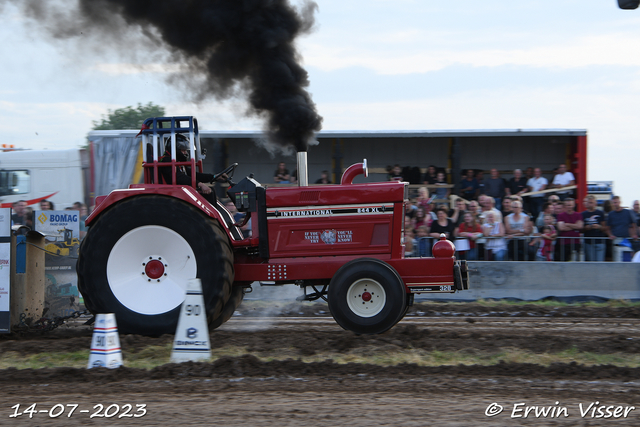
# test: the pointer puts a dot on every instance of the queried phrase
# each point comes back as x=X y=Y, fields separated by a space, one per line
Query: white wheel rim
x=126 y=269
x=366 y=297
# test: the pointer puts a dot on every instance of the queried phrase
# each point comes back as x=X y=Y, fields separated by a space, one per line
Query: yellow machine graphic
x=67 y=246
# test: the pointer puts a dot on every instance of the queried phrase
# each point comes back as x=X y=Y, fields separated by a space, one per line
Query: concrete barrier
x=528 y=281
x=536 y=280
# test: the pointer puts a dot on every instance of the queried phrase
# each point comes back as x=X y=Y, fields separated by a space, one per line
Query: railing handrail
x=525 y=248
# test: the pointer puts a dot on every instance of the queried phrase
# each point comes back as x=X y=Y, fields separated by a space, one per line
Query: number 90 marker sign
x=105 y=344
x=191 y=341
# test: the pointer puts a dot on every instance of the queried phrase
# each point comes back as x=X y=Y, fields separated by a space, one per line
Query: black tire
x=237 y=295
x=104 y=268
x=387 y=303
x=408 y=303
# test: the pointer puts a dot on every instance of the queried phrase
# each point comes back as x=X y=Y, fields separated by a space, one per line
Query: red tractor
x=343 y=243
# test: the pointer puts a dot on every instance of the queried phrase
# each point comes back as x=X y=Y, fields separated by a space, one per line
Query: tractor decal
x=328 y=236
x=315 y=212
x=322 y=211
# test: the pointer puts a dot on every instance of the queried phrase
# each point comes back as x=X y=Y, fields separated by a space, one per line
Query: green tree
x=128 y=117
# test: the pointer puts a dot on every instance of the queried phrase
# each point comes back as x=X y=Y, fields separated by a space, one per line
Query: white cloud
x=420 y=57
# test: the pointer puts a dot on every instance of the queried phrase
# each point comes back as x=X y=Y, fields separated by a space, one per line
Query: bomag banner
x=5 y=269
x=62 y=241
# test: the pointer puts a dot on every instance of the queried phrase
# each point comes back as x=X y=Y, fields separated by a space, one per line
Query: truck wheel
x=367 y=296
x=136 y=259
x=237 y=295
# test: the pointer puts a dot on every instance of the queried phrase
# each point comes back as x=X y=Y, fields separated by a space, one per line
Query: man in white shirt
x=536 y=183
x=563 y=179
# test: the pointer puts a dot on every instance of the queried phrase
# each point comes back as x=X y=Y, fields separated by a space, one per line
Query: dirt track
x=249 y=392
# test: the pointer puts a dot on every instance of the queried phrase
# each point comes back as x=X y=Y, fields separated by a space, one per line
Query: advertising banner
x=5 y=269
x=62 y=241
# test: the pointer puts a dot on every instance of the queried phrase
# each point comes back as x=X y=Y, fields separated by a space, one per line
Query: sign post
x=5 y=269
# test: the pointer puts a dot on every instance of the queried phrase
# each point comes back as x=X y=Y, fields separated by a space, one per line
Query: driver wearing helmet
x=183 y=173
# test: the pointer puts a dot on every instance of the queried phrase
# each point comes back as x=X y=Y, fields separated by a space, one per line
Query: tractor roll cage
x=153 y=147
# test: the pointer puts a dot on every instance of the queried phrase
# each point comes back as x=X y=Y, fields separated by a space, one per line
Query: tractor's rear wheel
x=237 y=295
x=367 y=296
x=136 y=259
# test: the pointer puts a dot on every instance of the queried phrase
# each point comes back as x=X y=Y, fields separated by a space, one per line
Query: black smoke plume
x=227 y=48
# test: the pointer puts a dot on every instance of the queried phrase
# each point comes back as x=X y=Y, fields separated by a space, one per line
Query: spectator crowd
x=516 y=219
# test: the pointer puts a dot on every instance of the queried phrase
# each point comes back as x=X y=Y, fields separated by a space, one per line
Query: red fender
x=184 y=193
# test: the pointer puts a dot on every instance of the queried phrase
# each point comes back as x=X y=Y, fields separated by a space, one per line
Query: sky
x=377 y=65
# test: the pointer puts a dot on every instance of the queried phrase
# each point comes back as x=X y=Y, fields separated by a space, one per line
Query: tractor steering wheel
x=228 y=171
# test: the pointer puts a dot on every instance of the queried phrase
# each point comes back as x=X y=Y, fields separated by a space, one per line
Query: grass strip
x=153 y=356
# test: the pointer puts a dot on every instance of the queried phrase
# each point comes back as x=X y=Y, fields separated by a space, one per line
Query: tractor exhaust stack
x=303 y=173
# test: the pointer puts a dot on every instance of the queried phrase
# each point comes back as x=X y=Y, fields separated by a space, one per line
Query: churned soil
x=308 y=329
x=251 y=390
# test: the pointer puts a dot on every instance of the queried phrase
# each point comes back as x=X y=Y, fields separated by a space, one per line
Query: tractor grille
x=309 y=196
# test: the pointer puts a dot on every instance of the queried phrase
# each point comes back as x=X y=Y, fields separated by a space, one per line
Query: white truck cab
x=35 y=175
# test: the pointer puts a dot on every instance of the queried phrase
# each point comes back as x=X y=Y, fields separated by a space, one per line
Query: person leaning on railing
x=569 y=225
x=546 y=240
x=443 y=225
x=496 y=244
x=423 y=242
x=621 y=225
x=469 y=230
x=517 y=228
x=594 y=226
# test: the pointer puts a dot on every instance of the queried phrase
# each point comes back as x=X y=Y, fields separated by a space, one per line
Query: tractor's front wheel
x=137 y=258
x=367 y=296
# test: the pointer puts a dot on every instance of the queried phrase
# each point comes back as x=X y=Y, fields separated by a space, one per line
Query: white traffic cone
x=105 y=344
x=191 y=341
